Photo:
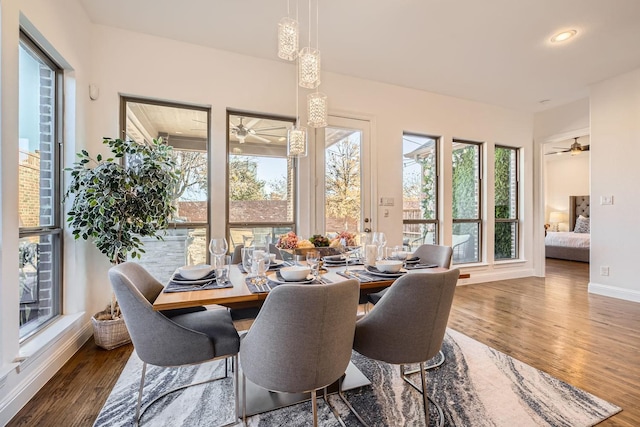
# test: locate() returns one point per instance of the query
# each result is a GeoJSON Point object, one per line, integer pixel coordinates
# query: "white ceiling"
{"type": "Point", "coordinates": [493, 51]}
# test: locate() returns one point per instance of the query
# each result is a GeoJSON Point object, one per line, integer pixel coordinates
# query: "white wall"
{"type": "Point", "coordinates": [62, 29]}
{"type": "Point", "coordinates": [615, 136]}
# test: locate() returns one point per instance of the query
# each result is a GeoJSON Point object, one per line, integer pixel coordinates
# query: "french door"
{"type": "Point", "coordinates": [343, 191]}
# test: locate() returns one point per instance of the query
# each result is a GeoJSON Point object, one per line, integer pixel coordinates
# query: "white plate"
{"type": "Point", "coordinates": [276, 263]}
{"type": "Point", "coordinates": [176, 278]}
{"type": "Point", "coordinates": [275, 278]}
{"type": "Point", "coordinates": [383, 274]}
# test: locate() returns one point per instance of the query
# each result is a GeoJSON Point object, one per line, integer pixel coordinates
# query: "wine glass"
{"type": "Point", "coordinates": [260, 265]}
{"type": "Point", "coordinates": [218, 247]}
{"type": "Point", "coordinates": [313, 258]}
{"type": "Point", "coordinates": [380, 240]}
{"type": "Point", "coordinates": [247, 260]}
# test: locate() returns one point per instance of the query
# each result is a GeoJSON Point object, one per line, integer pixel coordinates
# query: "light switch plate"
{"type": "Point", "coordinates": [606, 200]}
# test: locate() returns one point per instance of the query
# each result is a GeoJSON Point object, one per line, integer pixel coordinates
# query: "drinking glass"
{"type": "Point", "coordinates": [313, 258]}
{"type": "Point", "coordinates": [247, 260]}
{"type": "Point", "coordinates": [218, 247]}
{"type": "Point", "coordinates": [222, 264]}
{"type": "Point", "coordinates": [260, 266]}
{"type": "Point", "coordinates": [380, 240]}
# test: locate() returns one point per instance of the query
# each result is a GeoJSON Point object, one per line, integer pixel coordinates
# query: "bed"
{"type": "Point", "coordinates": [571, 245]}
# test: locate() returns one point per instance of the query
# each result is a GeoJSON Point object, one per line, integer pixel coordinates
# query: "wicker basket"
{"type": "Point", "coordinates": [110, 334]}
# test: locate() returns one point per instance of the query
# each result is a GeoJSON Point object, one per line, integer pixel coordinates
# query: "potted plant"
{"type": "Point", "coordinates": [116, 201]}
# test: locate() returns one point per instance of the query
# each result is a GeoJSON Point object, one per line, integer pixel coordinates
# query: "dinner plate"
{"type": "Point", "coordinates": [278, 279]}
{"type": "Point", "coordinates": [276, 263]}
{"type": "Point", "coordinates": [177, 278]}
{"type": "Point", "coordinates": [376, 272]}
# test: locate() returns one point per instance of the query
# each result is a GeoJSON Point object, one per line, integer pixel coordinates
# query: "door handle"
{"type": "Point", "coordinates": [367, 230]}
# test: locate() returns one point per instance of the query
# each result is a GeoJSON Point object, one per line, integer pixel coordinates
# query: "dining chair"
{"type": "Point", "coordinates": [429, 254]}
{"type": "Point", "coordinates": [187, 337]}
{"type": "Point", "coordinates": [408, 325]}
{"type": "Point", "coordinates": [301, 340]}
{"type": "Point", "coordinates": [236, 258]}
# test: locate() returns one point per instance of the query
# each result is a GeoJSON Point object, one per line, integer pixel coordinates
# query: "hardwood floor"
{"type": "Point", "coordinates": [551, 323]}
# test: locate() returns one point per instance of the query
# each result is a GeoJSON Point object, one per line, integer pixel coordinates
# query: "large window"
{"type": "Point", "coordinates": [39, 252]}
{"type": "Point", "coordinates": [186, 129]}
{"type": "Point", "coordinates": [419, 190]}
{"type": "Point", "coordinates": [261, 179]}
{"type": "Point", "coordinates": [466, 186]}
{"type": "Point", "coordinates": [506, 203]}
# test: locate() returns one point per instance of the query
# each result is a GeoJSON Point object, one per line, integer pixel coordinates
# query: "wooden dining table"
{"type": "Point", "coordinates": [239, 296]}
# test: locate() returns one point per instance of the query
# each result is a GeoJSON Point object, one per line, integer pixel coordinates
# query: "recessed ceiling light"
{"type": "Point", "coordinates": [563, 36]}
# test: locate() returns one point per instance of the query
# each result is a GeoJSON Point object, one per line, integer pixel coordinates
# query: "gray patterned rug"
{"type": "Point", "coordinates": [476, 386]}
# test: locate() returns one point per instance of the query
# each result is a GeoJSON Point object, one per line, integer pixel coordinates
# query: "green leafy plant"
{"type": "Point", "coordinates": [122, 198]}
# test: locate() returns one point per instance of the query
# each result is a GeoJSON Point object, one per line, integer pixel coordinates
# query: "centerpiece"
{"type": "Point", "coordinates": [291, 243]}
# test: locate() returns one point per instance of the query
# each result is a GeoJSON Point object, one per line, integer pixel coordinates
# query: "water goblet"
{"type": "Point", "coordinates": [313, 258]}
{"type": "Point", "coordinates": [221, 266]}
{"type": "Point", "coordinates": [261, 261]}
{"type": "Point", "coordinates": [218, 246]}
{"type": "Point", "coordinates": [247, 260]}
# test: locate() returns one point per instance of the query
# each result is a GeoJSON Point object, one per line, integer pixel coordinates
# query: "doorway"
{"type": "Point", "coordinates": [343, 193]}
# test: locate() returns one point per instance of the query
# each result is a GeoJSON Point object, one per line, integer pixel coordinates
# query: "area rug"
{"type": "Point", "coordinates": [476, 386]}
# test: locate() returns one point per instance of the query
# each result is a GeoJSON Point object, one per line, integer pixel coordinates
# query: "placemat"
{"type": "Point", "coordinates": [419, 266]}
{"type": "Point", "coordinates": [264, 289]}
{"type": "Point", "coordinates": [362, 276]}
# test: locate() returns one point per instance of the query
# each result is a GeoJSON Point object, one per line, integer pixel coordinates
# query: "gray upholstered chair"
{"type": "Point", "coordinates": [301, 340]}
{"type": "Point", "coordinates": [236, 257]}
{"type": "Point", "coordinates": [428, 254]}
{"type": "Point", "coordinates": [187, 337]}
{"type": "Point", "coordinates": [408, 325]}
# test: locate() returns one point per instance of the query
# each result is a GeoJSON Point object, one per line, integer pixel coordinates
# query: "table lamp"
{"type": "Point", "coordinates": [555, 218]}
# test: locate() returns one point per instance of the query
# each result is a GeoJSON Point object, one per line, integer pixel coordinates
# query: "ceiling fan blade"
{"type": "Point", "coordinates": [585, 148]}
{"type": "Point", "coordinates": [252, 122]}
{"type": "Point", "coordinates": [269, 128]}
{"type": "Point", "coordinates": [258, 137]}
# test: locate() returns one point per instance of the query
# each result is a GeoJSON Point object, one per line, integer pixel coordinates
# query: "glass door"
{"type": "Point", "coordinates": [344, 185]}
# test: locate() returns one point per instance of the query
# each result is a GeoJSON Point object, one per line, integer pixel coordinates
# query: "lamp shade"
{"type": "Point", "coordinates": [317, 110]}
{"type": "Point", "coordinates": [556, 217]}
{"type": "Point", "coordinates": [288, 39]}
{"type": "Point", "coordinates": [297, 142]}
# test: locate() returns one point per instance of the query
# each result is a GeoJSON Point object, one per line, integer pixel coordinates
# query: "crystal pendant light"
{"type": "Point", "coordinates": [288, 39]}
{"type": "Point", "coordinates": [297, 141]}
{"type": "Point", "coordinates": [309, 67]}
{"type": "Point", "coordinates": [317, 110]}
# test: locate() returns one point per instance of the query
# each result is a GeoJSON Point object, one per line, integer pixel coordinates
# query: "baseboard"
{"type": "Point", "coordinates": [614, 292]}
{"type": "Point", "coordinates": [38, 372]}
{"type": "Point", "coordinates": [492, 275]}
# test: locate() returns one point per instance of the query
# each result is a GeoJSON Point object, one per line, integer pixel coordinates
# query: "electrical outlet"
{"type": "Point", "coordinates": [606, 200]}
{"type": "Point", "coordinates": [604, 270]}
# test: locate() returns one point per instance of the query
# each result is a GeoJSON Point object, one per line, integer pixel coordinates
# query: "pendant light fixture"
{"type": "Point", "coordinates": [288, 37]}
{"type": "Point", "coordinates": [307, 76]}
{"type": "Point", "coordinates": [309, 60]}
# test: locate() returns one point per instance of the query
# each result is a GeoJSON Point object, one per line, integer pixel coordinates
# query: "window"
{"type": "Point", "coordinates": [466, 185]}
{"type": "Point", "coordinates": [419, 190]}
{"type": "Point", "coordinates": [506, 203]}
{"type": "Point", "coordinates": [261, 179]}
{"type": "Point", "coordinates": [39, 252]}
{"type": "Point", "coordinates": [186, 129]}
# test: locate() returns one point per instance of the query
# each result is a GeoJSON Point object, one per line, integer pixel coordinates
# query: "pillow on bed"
{"type": "Point", "coordinates": [582, 225]}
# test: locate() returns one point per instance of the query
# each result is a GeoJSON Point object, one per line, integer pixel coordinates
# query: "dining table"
{"type": "Point", "coordinates": [239, 295]}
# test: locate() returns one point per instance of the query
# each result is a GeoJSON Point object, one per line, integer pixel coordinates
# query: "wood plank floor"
{"type": "Point", "coordinates": [551, 323]}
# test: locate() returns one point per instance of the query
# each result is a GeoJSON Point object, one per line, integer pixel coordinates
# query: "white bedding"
{"type": "Point", "coordinates": [567, 239]}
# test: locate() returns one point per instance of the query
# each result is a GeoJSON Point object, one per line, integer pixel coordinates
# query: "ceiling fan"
{"type": "Point", "coordinates": [242, 131]}
{"type": "Point", "coordinates": [576, 148]}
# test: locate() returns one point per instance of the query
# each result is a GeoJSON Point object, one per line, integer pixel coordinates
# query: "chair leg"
{"type": "Point", "coordinates": [425, 400]}
{"type": "Point", "coordinates": [424, 393]}
{"type": "Point", "coordinates": [346, 402]}
{"type": "Point", "coordinates": [435, 364]}
{"type": "Point", "coordinates": [144, 371]}
{"type": "Point", "coordinates": [140, 413]}
{"type": "Point", "coordinates": [244, 399]}
{"type": "Point", "coordinates": [314, 408]}
{"type": "Point", "coordinates": [335, 412]}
